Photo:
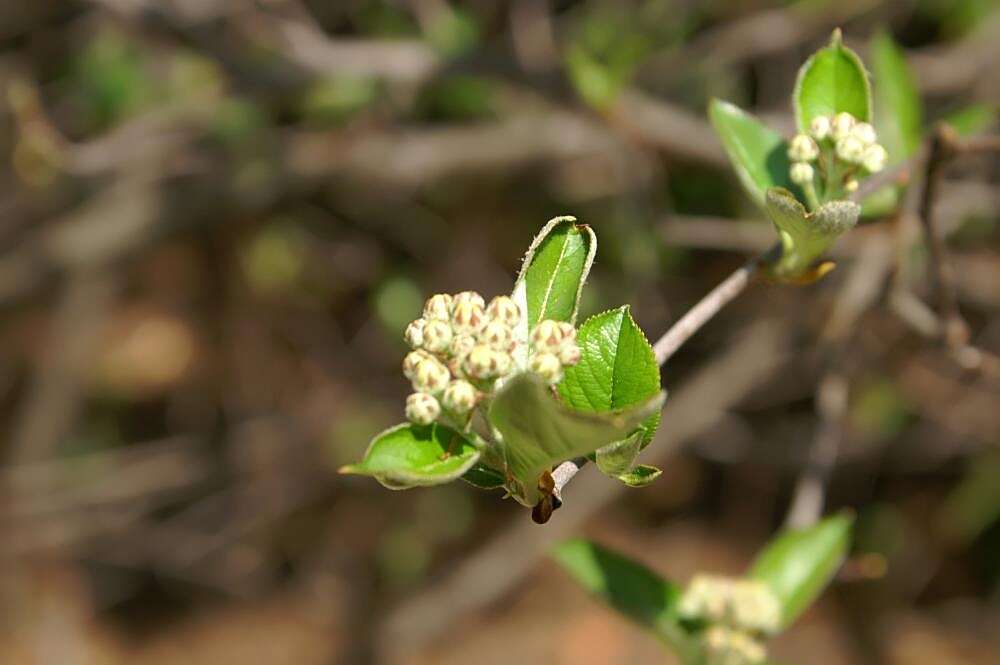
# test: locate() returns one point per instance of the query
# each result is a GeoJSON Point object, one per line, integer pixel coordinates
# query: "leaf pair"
{"type": "Point", "coordinates": [796, 565]}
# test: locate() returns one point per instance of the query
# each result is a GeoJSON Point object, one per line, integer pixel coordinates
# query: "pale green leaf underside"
{"type": "Point", "coordinates": [539, 432]}
{"type": "Point", "coordinates": [798, 564]}
{"type": "Point", "coordinates": [806, 236]}
{"type": "Point", "coordinates": [640, 476]}
{"type": "Point", "coordinates": [555, 269]}
{"type": "Point", "coordinates": [973, 119]}
{"type": "Point", "coordinates": [759, 154]}
{"type": "Point", "coordinates": [627, 587]}
{"type": "Point", "coordinates": [832, 80]}
{"type": "Point", "coordinates": [484, 477]}
{"type": "Point", "coordinates": [410, 455]}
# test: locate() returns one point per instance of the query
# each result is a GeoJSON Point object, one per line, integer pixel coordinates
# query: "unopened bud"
{"type": "Point", "coordinates": [547, 335]}
{"type": "Point", "coordinates": [504, 310]}
{"type": "Point", "coordinates": [422, 409]}
{"type": "Point", "coordinates": [864, 132]}
{"type": "Point", "coordinates": [725, 646]}
{"type": "Point", "coordinates": [460, 396]}
{"type": "Point", "coordinates": [437, 336]}
{"type": "Point", "coordinates": [842, 125]}
{"type": "Point", "coordinates": [851, 186]}
{"type": "Point", "coordinates": [431, 376]}
{"type": "Point", "coordinates": [569, 354]}
{"type": "Point", "coordinates": [461, 345]}
{"type": "Point", "coordinates": [802, 149]}
{"type": "Point", "coordinates": [469, 297]}
{"type": "Point", "coordinates": [482, 362]}
{"type": "Point", "coordinates": [850, 149]}
{"type": "Point", "coordinates": [820, 127]}
{"type": "Point", "coordinates": [874, 158]}
{"type": "Point", "coordinates": [412, 361]}
{"type": "Point", "coordinates": [801, 173]}
{"type": "Point", "coordinates": [547, 366]}
{"type": "Point", "coordinates": [497, 335]}
{"type": "Point", "coordinates": [568, 332]}
{"type": "Point", "coordinates": [468, 317]}
{"type": "Point", "coordinates": [438, 307]}
{"type": "Point", "coordinates": [414, 334]}
{"type": "Point", "coordinates": [754, 607]}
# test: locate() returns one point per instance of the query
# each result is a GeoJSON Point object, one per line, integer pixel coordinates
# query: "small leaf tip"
{"type": "Point", "coordinates": [836, 38]}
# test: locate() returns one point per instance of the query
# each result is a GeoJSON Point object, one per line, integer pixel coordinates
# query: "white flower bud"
{"type": "Point", "coordinates": [850, 149]}
{"type": "Point", "coordinates": [437, 336]}
{"type": "Point", "coordinates": [431, 376]}
{"type": "Point", "coordinates": [874, 158]}
{"type": "Point", "coordinates": [414, 334]}
{"type": "Point", "coordinates": [820, 127]}
{"type": "Point", "coordinates": [483, 362]}
{"type": "Point", "coordinates": [503, 361]}
{"type": "Point", "coordinates": [547, 335]}
{"type": "Point", "coordinates": [412, 361]}
{"type": "Point", "coordinates": [461, 345]}
{"type": "Point", "coordinates": [864, 132]}
{"type": "Point", "coordinates": [725, 646]}
{"type": "Point", "coordinates": [851, 186]}
{"type": "Point", "coordinates": [547, 366]}
{"type": "Point", "coordinates": [469, 297]}
{"type": "Point", "coordinates": [842, 125]}
{"type": "Point", "coordinates": [801, 173]}
{"type": "Point", "coordinates": [422, 409]}
{"type": "Point", "coordinates": [754, 607]}
{"type": "Point", "coordinates": [468, 317]}
{"type": "Point", "coordinates": [438, 307]}
{"type": "Point", "coordinates": [568, 332]}
{"type": "Point", "coordinates": [497, 335]}
{"type": "Point", "coordinates": [802, 149]}
{"type": "Point", "coordinates": [460, 396]}
{"type": "Point", "coordinates": [504, 310]}
{"type": "Point", "coordinates": [706, 597]}
{"type": "Point", "coordinates": [569, 354]}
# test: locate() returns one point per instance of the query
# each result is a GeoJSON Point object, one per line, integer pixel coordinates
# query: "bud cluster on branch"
{"type": "Point", "coordinates": [464, 348]}
{"type": "Point", "coordinates": [828, 161]}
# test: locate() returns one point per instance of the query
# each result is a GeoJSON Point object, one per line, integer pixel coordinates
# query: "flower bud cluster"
{"type": "Point", "coordinates": [831, 139]}
{"type": "Point", "coordinates": [738, 613]}
{"type": "Point", "coordinates": [738, 603]}
{"type": "Point", "coordinates": [462, 346]}
{"type": "Point", "coordinates": [725, 646]}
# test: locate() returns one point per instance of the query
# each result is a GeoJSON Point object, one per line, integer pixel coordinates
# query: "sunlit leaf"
{"type": "Point", "coordinates": [798, 563]}
{"type": "Point", "coordinates": [409, 455]}
{"type": "Point", "coordinates": [832, 80]}
{"type": "Point", "coordinates": [759, 154]}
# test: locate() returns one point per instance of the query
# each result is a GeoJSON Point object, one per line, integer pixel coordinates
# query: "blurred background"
{"type": "Point", "coordinates": [217, 216]}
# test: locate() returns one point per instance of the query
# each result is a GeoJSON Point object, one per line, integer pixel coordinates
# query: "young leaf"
{"type": "Point", "coordinates": [484, 477]}
{"type": "Point", "coordinates": [640, 476]}
{"type": "Point", "coordinates": [554, 271]}
{"type": "Point", "coordinates": [617, 367]}
{"type": "Point", "coordinates": [409, 455]}
{"type": "Point", "coordinates": [806, 236]}
{"type": "Point", "coordinates": [617, 458]}
{"type": "Point", "coordinates": [898, 111]}
{"type": "Point", "coordinates": [628, 587]}
{"type": "Point", "coordinates": [973, 119]}
{"type": "Point", "coordinates": [538, 431]}
{"type": "Point", "coordinates": [799, 563]}
{"type": "Point", "coordinates": [759, 155]}
{"type": "Point", "coordinates": [832, 80]}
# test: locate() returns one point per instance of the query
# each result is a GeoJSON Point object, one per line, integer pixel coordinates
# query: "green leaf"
{"type": "Point", "coordinates": [759, 154]}
{"type": "Point", "coordinates": [617, 458]}
{"type": "Point", "coordinates": [973, 119]}
{"type": "Point", "coordinates": [640, 476]}
{"type": "Point", "coordinates": [555, 270]}
{"type": "Point", "coordinates": [409, 455]}
{"type": "Point", "coordinates": [617, 367]}
{"type": "Point", "coordinates": [627, 587]}
{"type": "Point", "coordinates": [538, 431]}
{"type": "Point", "coordinates": [806, 236]}
{"type": "Point", "coordinates": [898, 110]}
{"type": "Point", "coordinates": [832, 80]}
{"type": "Point", "coordinates": [799, 563]}
{"type": "Point", "coordinates": [484, 477]}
